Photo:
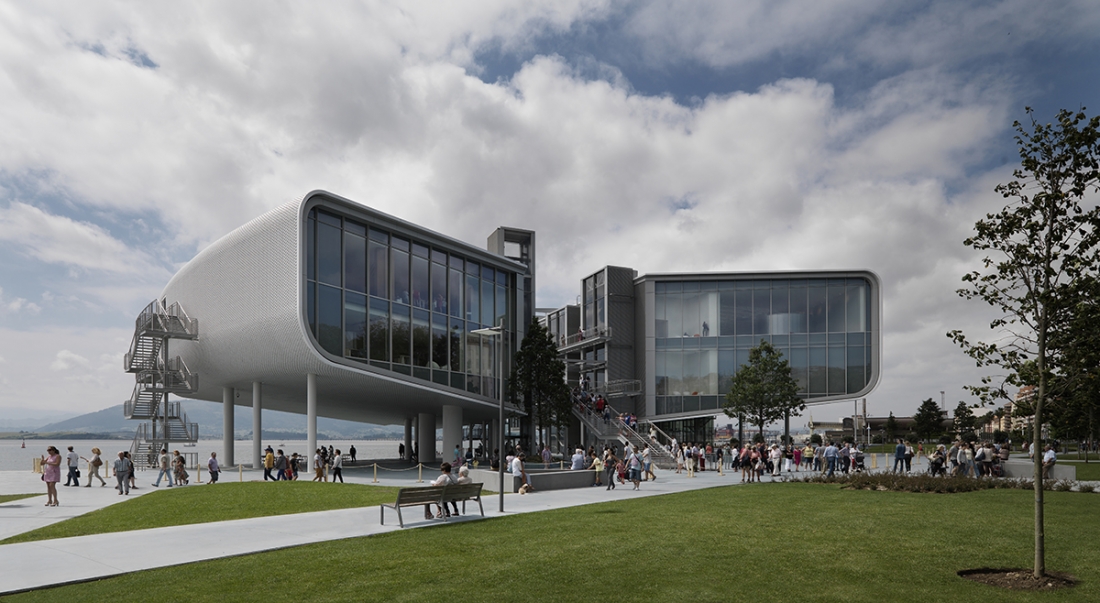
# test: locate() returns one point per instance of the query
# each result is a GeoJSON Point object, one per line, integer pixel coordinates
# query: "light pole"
{"type": "Point", "coordinates": [498, 331]}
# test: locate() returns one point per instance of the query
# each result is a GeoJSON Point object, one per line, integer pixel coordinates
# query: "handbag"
{"type": "Point", "coordinates": [76, 473]}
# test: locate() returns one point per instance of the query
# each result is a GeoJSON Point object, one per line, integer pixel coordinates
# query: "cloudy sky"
{"type": "Point", "coordinates": [664, 136]}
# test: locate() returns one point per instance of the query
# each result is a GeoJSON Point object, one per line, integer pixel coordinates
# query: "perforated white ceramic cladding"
{"type": "Point", "coordinates": [245, 291]}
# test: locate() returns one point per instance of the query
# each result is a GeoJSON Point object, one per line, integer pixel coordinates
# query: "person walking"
{"type": "Point", "coordinates": [269, 464]}
{"type": "Point", "coordinates": [213, 468]}
{"type": "Point", "coordinates": [634, 468]}
{"type": "Point", "coordinates": [51, 474]}
{"type": "Point", "coordinates": [162, 462]}
{"type": "Point", "coordinates": [1049, 459]}
{"type": "Point", "coordinates": [609, 462]}
{"type": "Point", "coordinates": [337, 466]}
{"type": "Point", "coordinates": [94, 464]}
{"type": "Point", "coordinates": [319, 466]}
{"type": "Point", "coordinates": [647, 465]}
{"type": "Point", "coordinates": [72, 460]}
{"type": "Point", "coordinates": [123, 469]}
{"type": "Point", "coordinates": [280, 466]}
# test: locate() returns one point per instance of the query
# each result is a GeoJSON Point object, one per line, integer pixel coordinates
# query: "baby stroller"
{"type": "Point", "coordinates": [936, 466]}
{"type": "Point", "coordinates": [859, 466]}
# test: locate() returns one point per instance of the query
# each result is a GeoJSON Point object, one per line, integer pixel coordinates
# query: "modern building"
{"type": "Point", "coordinates": [326, 307]}
{"type": "Point", "coordinates": [666, 346]}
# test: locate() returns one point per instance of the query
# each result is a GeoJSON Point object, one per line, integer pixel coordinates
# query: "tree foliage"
{"type": "Point", "coordinates": [928, 420]}
{"type": "Point", "coordinates": [538, 378]}
{"type": "Point", "coordinates": [964, 418]}
{"type": "Point", "coordinates": [1042, 254]}
{"type": "Point", "coordinates": [763, 391]}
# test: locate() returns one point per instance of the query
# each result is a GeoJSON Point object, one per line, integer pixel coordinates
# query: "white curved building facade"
{"type": "Point", "coordinates": [326, 307]}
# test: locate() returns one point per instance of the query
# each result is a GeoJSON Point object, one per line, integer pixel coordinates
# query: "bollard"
{"type": "Point", "coordinates": [874, 461]}
{"type": "Point", "coordinates": [198, 474]}
{"type": "Point", "coordinates": [240, 473]}
{"type": "Point", "coordinates": [376, 473]}
{"type": "Point", "coordinates": [561, 465]}
{"type": "Point", "coordinates": [420, 473]}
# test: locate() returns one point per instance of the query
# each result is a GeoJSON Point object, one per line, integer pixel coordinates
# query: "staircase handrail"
{"type": "Point", "coordinates": [593, 333]}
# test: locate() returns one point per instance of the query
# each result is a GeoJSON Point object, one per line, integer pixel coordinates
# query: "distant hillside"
{"type": "Point", "coordinates": [209, 417]}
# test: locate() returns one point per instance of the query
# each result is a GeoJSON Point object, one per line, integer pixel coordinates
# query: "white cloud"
{"type": "Point", "coordinates": [60, 240]}
{"type": "Point", "coordinates": [17, 305]}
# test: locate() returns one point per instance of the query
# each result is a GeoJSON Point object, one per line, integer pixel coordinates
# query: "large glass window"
{"type": "Point", "coordinates": [817, 303]}
{"type": "Point", "coordinates": [744, 312]}
{"type": "Point", "coordinates": [311, 251]}
{"type": "Point", "coordinates": [458, 346]}
{"type": "Point", "coordinates": [501, 305]}
{"type": "Point", "coordinates": [439, 288]}
{"type": "Point", "coordinates": [355, 325]}
{"type": "Point", "coordinates": [422, 338]}
{"type": "Point", "coordinates": [441, 357]}
{"type": "Point", "coordinates": [837, 309]}
{"type": "Point", "coordinates": [400, 276]}
{"type": "Point", "coordinates": [857, 309]}
{"type": "Point", "coordinates": [454, 281]}
{"type": "Point", "coordinates": [487, 296]}
{"type": "Point", "coordinates": [837, 361]}
{"type": "Point", "coordinates": [328, 254]}
{"type": "Point", "coordinates": [819, 371]}
{"type": "Point", "coordinates": [473, 296]}
{"type": "Point", "coordinates": [379, 268]}
{"type": "Point", "coordinates": [355, 263]}
{"type": "Point", "coordinates": [420, 291]}
{"type": "Point", "coordinates": [402, 334]}
{"type": "Point", "coordinates": [761, 308]}
{"type": "Point", "coordinates": [330, 332]}
{"type": "Point", "coordinates": [379, 330]}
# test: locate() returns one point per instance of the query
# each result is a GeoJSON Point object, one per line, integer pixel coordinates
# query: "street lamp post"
{"type": "Point", "coordinates": [498, 331]}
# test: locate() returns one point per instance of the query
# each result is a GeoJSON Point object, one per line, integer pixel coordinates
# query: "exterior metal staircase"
{"type": "Point", "coordinates": [156, 376]}
{"type": "Point", "coordinates": [617, 431]}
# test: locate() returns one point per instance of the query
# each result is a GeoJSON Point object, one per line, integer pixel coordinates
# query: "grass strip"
{"type": "Point", "coordinates": [10, 497]}
{"type": "Point", "coordinates": [772, 542]}
{"type": "Point", "coordinates": [203, 504]}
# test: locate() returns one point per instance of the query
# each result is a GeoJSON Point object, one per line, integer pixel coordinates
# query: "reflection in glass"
{"type": "Point", "coordinates": [355, 263]}
{"type": "Point", "coordinates": [330, 332]}
{"type": "Point", "coordinates": [420, 292]}
{"type": "Point", "coordinates": [402, 340]}
{"type": "Point", "coordinates": [836, 310]}
{"type": "Point", "coordinates": [421, 337]}
{"type": "Point", "coordinates": [400, 276]}
{"type": "Point", "coordinates": [379, 330]}
{"type": "Point", "coordinates": [355, 326]}
{"type": "Point", "coordinates": [379, 269]}
{"type": "Point", "coordinates": [328, 254]}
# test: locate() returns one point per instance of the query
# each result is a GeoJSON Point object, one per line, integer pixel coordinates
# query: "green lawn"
{"type": "Point", "coordinates": [772, 542]}
{"type": "Point", "coordinates": [10, 497]}
{"type": "Point", "coordinates": [201, 504]}
{"type": "Point", "coordinates": [1085, 471]}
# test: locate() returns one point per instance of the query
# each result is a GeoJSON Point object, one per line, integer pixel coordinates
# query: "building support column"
{"type": "Point", "coordinates": [227, 427]}
{"type": "Point", "coordinates": [311, 418]}
{"type": "Point", "coordinates": [452, 431]}
{"type": "Point", "coordinates": [494, 437]}
{"type": "Point", "coordinates": [408, 439]}
{"type": "Point", "coordinates": [257, 425]}
{"type": "Point", "coordinates": [425, 438]}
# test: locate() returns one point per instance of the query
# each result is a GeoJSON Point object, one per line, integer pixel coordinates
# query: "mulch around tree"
{"type": "Point", "coordinates": [1018, 579]}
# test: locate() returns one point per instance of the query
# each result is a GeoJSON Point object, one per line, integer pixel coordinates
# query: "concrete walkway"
{"type": "Point", "coordinates": [32, 565]}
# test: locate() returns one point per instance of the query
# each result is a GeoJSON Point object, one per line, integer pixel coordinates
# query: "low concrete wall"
{"type": "Point", "coordinates": [540, 480]}
{"type": "Point", "coordinates": [1027, 469]}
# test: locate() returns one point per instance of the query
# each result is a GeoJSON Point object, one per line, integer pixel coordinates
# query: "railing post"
{"type": "Point", "coordinates": [376, 473]}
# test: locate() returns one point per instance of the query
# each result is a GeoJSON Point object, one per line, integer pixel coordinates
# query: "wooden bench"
{"type": "Point", "coordinates": [437, 495]}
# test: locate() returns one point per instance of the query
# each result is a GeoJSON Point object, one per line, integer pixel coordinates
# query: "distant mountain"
{"type": "Point", "coordinates": [209, 417]}
{"type": "Point", "coordinates": [29, 419]}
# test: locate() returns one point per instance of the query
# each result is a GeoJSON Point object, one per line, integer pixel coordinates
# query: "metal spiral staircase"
{"type": "Point", "coordinates": [156, 376]}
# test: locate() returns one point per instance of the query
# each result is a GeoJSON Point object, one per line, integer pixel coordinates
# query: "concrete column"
{"type": "Point", "coordinates": [425, 437]}
{"type": "Point", "coordinates": [494, 437]}
{"type": "Point", "coordinates": [311, 418]}
{"type": "Point", "coordinates": [257, 425]}
{"type": "Point", "coordinates": [452, 431]}
{"type": "Point", "coordinates": [227, 427]}
{"type": "Point", "coordinates": [408, 438]}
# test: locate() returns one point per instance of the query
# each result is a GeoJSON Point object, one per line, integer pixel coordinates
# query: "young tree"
{"type": "Point", "coordinates": [538, 378]}
{"type": "Point", "coordinates": [1042, 245]}
{"type": "Point", "coordinates": [763, 390]}
{"type": "Point", "coordinates": [891, 427]}
{"type": "Point", "coordinates": [964, 419]}
{"type": "Point", "coordinates": [928, 420]}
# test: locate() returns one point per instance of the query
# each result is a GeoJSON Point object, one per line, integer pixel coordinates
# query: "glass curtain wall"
{"type": "Point", "coordinates": [398, 304]}
{"type": "Point", "coordinates": [704, 331]}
